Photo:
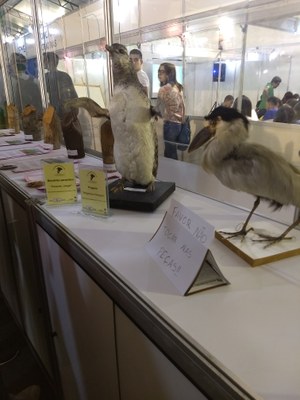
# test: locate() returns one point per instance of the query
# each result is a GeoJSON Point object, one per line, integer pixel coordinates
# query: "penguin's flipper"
{"type": "Point", "coordinates": [88, 104]}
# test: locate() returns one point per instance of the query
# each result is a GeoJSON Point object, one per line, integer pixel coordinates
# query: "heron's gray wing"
{"type": "Point", "coordinates": [257, 170]}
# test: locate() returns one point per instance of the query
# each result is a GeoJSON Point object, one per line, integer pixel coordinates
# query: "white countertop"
{"type": "Point", "coordinates": [250, 326]}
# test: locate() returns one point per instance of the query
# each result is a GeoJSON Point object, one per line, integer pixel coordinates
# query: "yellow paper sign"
{"type": "Point", "coordinates": [93, 190]}
{"type": "Point", "coordinates": [60, 182]}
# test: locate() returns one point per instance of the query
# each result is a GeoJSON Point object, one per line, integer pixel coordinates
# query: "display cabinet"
{"type": "Point", "coordinates": [114, 324]}
{"type": "Point", "coordinates": [251, 40]}
{"type": "Point", "coordinates": [102, 318]}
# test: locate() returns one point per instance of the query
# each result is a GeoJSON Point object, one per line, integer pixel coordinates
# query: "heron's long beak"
{"type": "Point", "coordinates": [200, 138]}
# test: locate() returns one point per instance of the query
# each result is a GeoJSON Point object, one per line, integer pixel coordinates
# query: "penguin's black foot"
{"type": "Point", "coordinates": [119, 187]}
{"type": "Point", "coordinates": [150, 187]}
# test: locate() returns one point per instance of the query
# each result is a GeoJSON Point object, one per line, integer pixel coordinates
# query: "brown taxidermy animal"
{"type": "Point", "coordinates": [106, 134]}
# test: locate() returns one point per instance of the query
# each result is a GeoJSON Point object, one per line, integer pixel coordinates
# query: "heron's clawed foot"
{"type": "Point", "coordinates": [271, 239]}
{"type": "Point", "coordinates": [242, 233]}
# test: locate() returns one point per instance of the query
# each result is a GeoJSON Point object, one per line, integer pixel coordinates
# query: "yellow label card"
{"type": "Point", "coordinates": [93, 190]}
{"type": "Point", "coordinates": [60, 182]}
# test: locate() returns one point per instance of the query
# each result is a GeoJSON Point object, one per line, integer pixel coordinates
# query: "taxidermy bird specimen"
{"type": "Point", "coordinates": [88, 104]}
{"type": "Point", "coordinates": [31, 123]}
{"type": "Point", "coordinates": [106, 135]}
{"type": "Point", "coordinates": [135, 139]}
{"type": "Point", "coordinates": [246, 167]}
{"type": "Point", "coordinates": [52, 128]}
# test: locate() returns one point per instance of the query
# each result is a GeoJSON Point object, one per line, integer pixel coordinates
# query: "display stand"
{"type": "Point", "coordinates": [137, 200]}
{"type": "Point", "coordinates": [256, 252]}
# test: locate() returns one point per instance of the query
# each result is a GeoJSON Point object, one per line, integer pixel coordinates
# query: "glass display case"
{"type": "Point", "coordinates": [227, 47]}
{"type": "Point", "coordinates": [251, 41]}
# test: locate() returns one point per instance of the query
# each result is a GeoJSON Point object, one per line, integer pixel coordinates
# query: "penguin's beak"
{"type": "Point", "coordinates": [200, 138]}
{"type": "Point", "coordinates": [108, 48]}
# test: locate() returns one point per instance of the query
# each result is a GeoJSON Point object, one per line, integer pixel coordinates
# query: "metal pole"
{"type": "Point", "coordinates": [242, 71]}
{"type": "Point", "coordinates": [219, 78]}
{"type": "Point", "coordinates": [4, 69]}
{"type": "Point", "coordinates": [109, 33]}
{"type": "Point", "coordinates": [38, 47]}
{"type": "Point", "coordinates": [289, 75]}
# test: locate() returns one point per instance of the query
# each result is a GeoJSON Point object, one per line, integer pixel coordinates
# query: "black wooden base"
{"type": "Point", "coordinates": [140, 201]}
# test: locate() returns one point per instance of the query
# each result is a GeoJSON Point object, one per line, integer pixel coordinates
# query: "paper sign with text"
{"type": "Point", "coordinates": [200, 229]}
{"type": "Point", "coordinates": [93, 190]}
{"type": "Point", "coordinates": [180, 247]}
{"type": "Point", "coordinates": [60, 181]}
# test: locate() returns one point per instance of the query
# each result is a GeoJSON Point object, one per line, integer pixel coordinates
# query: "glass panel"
{"type": "Point", "coordinates": [77, 38]}
{"type": "Point", "coordinates": [191, 35]}
{"type": "Point", "coordinates": [126, 16]}
{"type": "Point", "coordinates": [2, 101]}
{"type": "Point", "coordinates": [73, 36]}
{"type": "Point", "coordinates": [213, 60]}
{"type": "Point", "coordinates": [277, 54]}
{"type": "Point", "coordinates": [196, 47]}
{"type": "Point", "coordinates": [20, 55]}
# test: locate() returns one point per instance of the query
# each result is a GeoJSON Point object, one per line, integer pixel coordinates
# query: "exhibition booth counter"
{"type": "Point", "coordinates": [119, 325]}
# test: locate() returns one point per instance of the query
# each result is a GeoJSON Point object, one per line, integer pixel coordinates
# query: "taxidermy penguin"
{"type": "Point", "coordinates": [135, 139]}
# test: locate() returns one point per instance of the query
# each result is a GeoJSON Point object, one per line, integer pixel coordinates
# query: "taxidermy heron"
{"type": "Point", "coordinates": [135, 139]}
{"type": "Point", "coordinates": [246, 167]}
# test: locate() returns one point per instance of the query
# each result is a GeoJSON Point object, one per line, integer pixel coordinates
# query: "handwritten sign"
{"type": "Point", "coordinates": [198, 227]}
{"type": "Point", "coordinates": [93, 189]}
{"type": "Point", "coordinates": [180, 247]}
{"type": "Point", "coordinates": [60, 181]}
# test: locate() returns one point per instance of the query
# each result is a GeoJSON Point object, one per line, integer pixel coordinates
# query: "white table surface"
{"type": "Point", "coordinates": [251, 326]}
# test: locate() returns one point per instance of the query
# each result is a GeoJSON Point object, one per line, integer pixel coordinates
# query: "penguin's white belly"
{"type": "Point", "coordinates": [133, 130]}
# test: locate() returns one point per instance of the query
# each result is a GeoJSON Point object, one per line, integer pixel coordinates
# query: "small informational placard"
{"type": "Point", "coordinates": [60, 181]}
{"type": "Point", "coordinates": [180, 247]}
{"type": "Point", "coordinates": [93, 190]}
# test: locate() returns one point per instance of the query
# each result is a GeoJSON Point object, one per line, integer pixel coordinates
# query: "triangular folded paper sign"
{"type": "Point", "coordinates": [209, 276]}
{"type": "Point", "coordinates": [180, 246]}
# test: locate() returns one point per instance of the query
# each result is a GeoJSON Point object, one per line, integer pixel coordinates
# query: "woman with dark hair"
{"type": "Point", "coordinates": [287, 95]}
{"type": "Point", "coordinates": [297, 113]}
{"type": "Point", "coordinates": [246, 106]}
{"type": "Point", "coordinates": [170, 105]}
{"type": "Point", "coordinates": [285, 114]}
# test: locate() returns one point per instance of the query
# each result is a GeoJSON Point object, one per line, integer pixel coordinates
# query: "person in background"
{"type": "Point", "coordinates": [170, 105]}
{"type": "Point", "coordinates": [59, 84]}
{"type": "Point", "coordinates": [246, 107]}
{"type": "Point", "coordinates": [285, 114]}
{"type": "Point", "coordinates": [228, 101]}
{"type": "Point", "coordinates": [292, 102]}
{"type": "Point", "coordinates": [267, 92]}
{"type": "Point", "coordinates": [297, 113]}
{"type": "Point", "coordinates": [273, 103]}
{"type": "Point", "coordinates": [287, 95]}
{"type": "Point", "coordinates": [136, 58]}
{"type": "Point", "coordinates": [25, 88]}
